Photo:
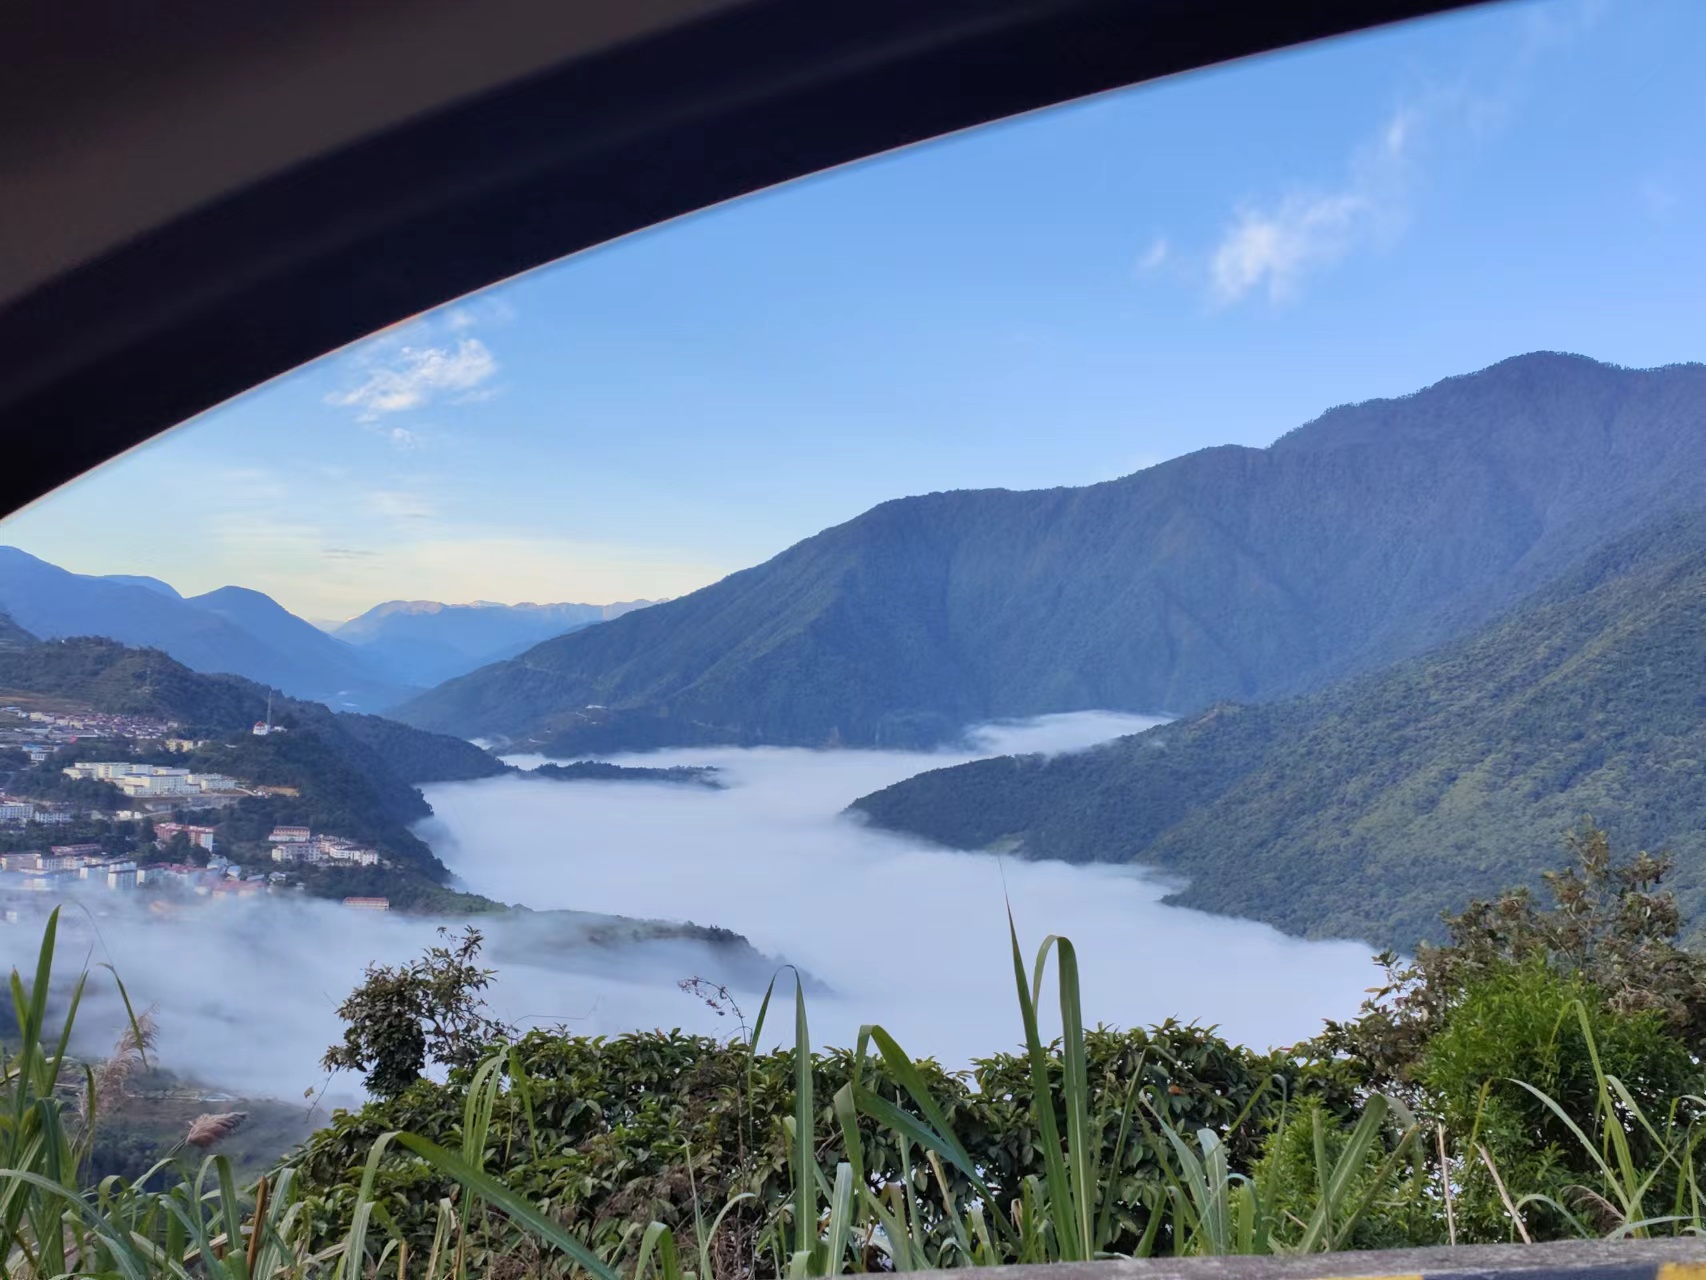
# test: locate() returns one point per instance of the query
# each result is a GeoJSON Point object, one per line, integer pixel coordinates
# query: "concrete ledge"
{"type": "Point", "coordinates": [1570, 1259]}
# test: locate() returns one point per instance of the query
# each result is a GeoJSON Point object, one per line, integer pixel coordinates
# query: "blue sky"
{"type": "Point", "coordinates": [1055, 300]}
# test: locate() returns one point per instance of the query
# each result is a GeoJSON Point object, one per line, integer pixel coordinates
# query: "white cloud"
{"type": "Point", "coordinates": [1153, 256]}
{"type": "Point", "coordinates": [1274, 247]}
{"type": "Point", "coordinates": [1271, 246]}
{"type": "Point", "coordinates": [779, 825]}
{"type": "Point", "coordinates": [409, 376]}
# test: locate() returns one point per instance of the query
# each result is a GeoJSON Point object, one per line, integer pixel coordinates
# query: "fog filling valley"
{"type": "Point", "coordinates": [896, 932]}
{"type": "Point", "coordinates": [905, 934]}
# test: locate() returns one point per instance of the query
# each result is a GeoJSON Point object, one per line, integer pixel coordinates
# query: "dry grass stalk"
{"type": "Point", "coordinates": [129, 1056]}
{"type": "Point", "coordinates": [209, 1129]}
{"type": "Point", "coordinates": [257, 1228]}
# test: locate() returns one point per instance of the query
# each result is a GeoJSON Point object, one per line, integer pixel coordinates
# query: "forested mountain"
{"type": "Point", "coordinates": [1368, 535]}
{"type": "Point", "coordinates": [231, 630]}
{"type": "Point", "coordinates": [107, 676]}
{"type": "Point", "coordinates": [423, 642]}
{"type": "Point", "coordinates": [1368, 808]}
{"type": "Point", "coordinates": [357, 775]}
{"type": "Point", "coordinates": [12, 636]}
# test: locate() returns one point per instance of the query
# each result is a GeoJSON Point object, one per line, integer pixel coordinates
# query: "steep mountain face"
{"type": "Point", "coordinates": [230, 630]}
{"type": "Point", "coordinates": [1233, 573]}
{"type": "Point", "coordinates": [13, 637]}
{"type": "Point", "coordinates": [1368, 808]}
{"type": "Point", "coordinates": [423, 642]}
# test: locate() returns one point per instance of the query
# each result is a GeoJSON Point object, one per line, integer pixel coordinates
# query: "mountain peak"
{"type": "Point", "coordinates": [143, 580]}
{"type": "Point", "coordinates": [1369, 534]}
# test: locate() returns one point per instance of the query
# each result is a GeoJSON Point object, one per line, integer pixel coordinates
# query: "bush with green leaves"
{"type": "Point", "coordinates": [1520, 1058]}
{"type": "Point", "coordinates": [656, 1126]}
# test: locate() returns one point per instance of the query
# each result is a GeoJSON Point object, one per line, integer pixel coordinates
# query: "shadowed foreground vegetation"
{"type": "Point", "coordinates": [1536, 1077]}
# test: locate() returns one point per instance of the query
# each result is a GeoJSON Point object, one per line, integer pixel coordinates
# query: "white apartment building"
{"type": "Point", "coordinates": [101, 770]}
{"type": "Point", "coordinates": [146, 780]}
{"type": "Point", "coordinates": [352, 854]}
{"type": "Point", "coordinates": [12, 811]}
{"type": "Point", "coordinates": [160, 782]}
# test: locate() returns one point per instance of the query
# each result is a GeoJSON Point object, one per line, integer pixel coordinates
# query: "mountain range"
{"type": "Point", "coordinates": [373, 662]}
{"type": "Point", "coordinates": [1367, 809]}
{"type": "Point", "coordinates": [1367, 536]}
{"type": "Point", "coordinates": [422, 642]}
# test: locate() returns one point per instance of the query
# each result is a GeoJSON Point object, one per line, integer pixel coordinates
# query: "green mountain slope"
{"type": "Point", "coordinates": [1367, 809]}
{"type": "Point", "coordinates": [12, 636]}
{"type": "Point", "coordinates": [119, 680]}
{"type": "Point", "coordinates": [357, 774]}
{"type": "Point", "coordinates": [1368, 535]}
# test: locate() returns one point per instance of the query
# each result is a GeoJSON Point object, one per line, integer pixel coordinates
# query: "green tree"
{"type": "Point", "coordinates": [180, 849]}
{"type": "Point", "coordinates": [1611, 923]}
{"type": "Point", "coordinates": [429, 1009]}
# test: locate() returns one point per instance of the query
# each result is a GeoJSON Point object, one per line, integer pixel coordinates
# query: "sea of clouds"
{"type": "Point", "coordinates": [893, 931]}
{"type": "Point", "coordinates": [904, 934]}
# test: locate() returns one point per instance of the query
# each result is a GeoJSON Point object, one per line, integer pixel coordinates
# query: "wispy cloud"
{"type": "Point", "coordinates": [411, 376]}
{"type": "Point", "coordinates": [1152, 257]}
{"type": "Point", "coordinates": [433, 357]}
{"type": "Point", "coordinates": [1271, 247]}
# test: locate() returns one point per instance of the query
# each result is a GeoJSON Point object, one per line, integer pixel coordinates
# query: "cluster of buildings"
{"type": "Point", "coordinates": [40, 733]}
{"type": "Point", "coordinates": [154, 781]}
{"type": "Point", "coordinates": [15, 811]}
{"type": "Point", "coordinates": [68, 867]}
{"type": "Point", "coordinates": [65, 864]}
{"type": "Point", "coordinates": [155, 788]}
{"type": "Point", "coordinates": [301, 845]}
{"type": "Point", "coordinates": [98, 724]}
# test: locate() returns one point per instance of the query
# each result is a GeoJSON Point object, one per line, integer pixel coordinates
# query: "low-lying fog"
{"type": "Point", "coordinates": [911, 936]}
{"type": "Point", "coordinates": [898, 933]}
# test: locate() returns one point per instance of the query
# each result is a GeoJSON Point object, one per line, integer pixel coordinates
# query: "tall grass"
{"type": "Point", "coordinates": [181, 1220]}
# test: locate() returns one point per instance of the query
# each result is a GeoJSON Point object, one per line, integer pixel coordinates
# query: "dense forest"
{"type": "Point", "coordinates": [1369, 808]}
{"type": "Point", "coordinates": [12, 636]}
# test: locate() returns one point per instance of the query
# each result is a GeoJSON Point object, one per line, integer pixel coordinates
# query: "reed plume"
{"type": "Point", "coordinates": [129, 1056]}
{"type": "Point", "coordinates": [209, 1129]}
